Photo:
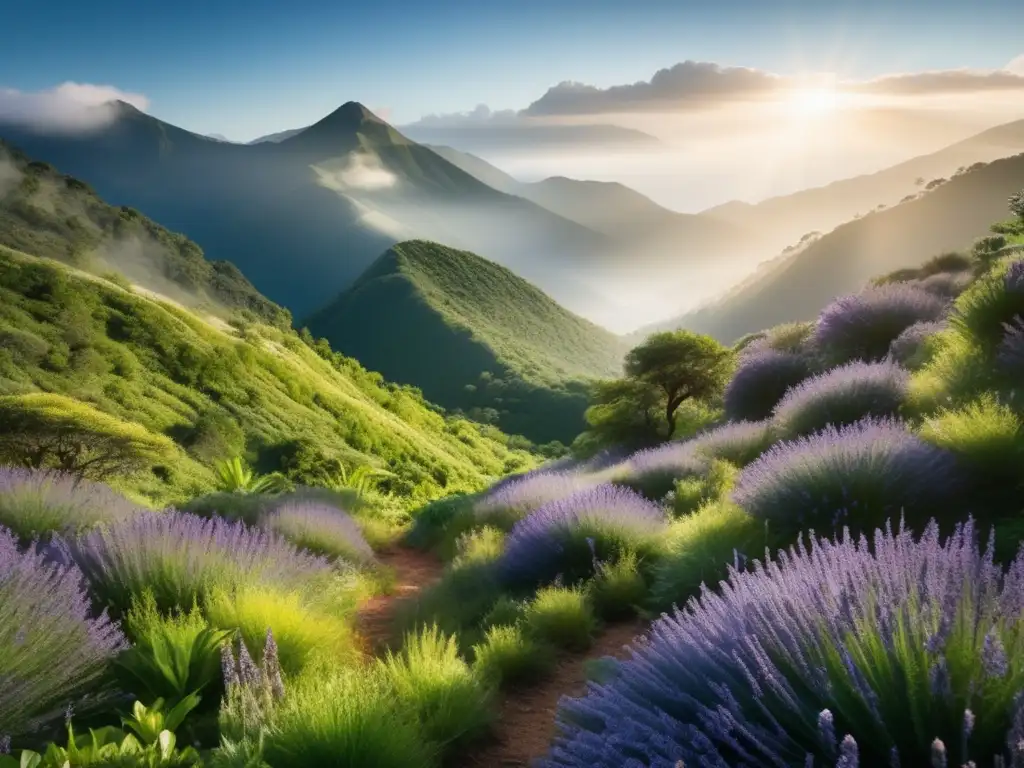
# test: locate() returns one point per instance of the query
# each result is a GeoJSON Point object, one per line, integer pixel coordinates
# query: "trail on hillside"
{"type": "Point", "coordinates": [526, 723]}
{"type": "Point", "coordinates": [414, 570]}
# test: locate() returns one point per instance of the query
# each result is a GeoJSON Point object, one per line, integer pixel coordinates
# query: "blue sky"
{"type": "Point", "coordinates": [249, 68]}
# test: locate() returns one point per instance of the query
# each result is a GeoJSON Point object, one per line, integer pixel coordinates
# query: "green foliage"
{"type": "Point", "coordinates": [429, 680]}
{"type": "Point", "coordinates": [172, 657]}
{"type": "Point", "coordinates": [618, 588]}
{"type": "Point", "coordinates": [52, 431]}
{"type": "Point", "coordinates": [700, 547]}
{"type": "Point", "coordinates": [982, 310]}
{"type": "Point", "coordinates": [473, 336]}
{"type": "Point", "coordinates": [509, 657]}
{"type": "Point", "coordinates": [561, 617]}
{"type": "Point", "coordinates": [680, 365]}
{"type": "Point", "coordinates": [691, 493]}
{"type": "Point", "coordinates": [236, 476]}
{"type": "Point", "coordinates": [1016, 204]}
{"type": "Point", "coordinates": [345, 717]}
{"type": "Point", "coordinates": [479, 547]}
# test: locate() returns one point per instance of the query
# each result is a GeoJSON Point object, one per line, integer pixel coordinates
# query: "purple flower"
{"type": "Point", "coordinates": [842, 396]}
{"type": "Point", "coordinates": [513, 501]}
{"type": "Point", "coordinates": [753, 673]}
{"type": "Point", "coordinates": [738, 442]}
{"type": "Point", "coordinates": [53, 647]}
{"type": "Point", "coordinates": [859, 475]}
{"type": "Point", "coordinates": [946, 285]}
{"type": "Point", "coordinates": [654, 471]}
{"type": "Point", "coordinates": [905, 346]}
{"type": "Point", "coordinates": [553, 539]}
{"type": "Point", "coordinates": [862, 326]}
{"type": "Point", "coordinates": [181, 557]}
{"type": "Point", "coordinates": [760, 381]}
{"type": "Point", "coordinates": [38, 503]}
{"type": "Point", "coordinates": [319, 528]}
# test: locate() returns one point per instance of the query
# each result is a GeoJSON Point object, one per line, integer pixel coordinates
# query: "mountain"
{"type": "Point", "coordinates": [798, 285]}
{"type": "Point", "coordinates": [783, 220]}
{"type": "Point", "coordinates": [524, 136]}
{"type": "Point", "coordinates": [217, 385]}
{"type": "Point", "coordinates": [304, 216]}
{"type": "Point", "coordinates": [472, 335]}
{"type": "Point", "coordinates": [275, 138]}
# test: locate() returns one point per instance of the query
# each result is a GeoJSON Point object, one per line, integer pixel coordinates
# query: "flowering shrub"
{"type": "Point", "coordinates": [513, 501]}
{"type": "Point", "coordinates": [909, 653]}
{"type": "Point", "coordinates": [182, 558]}
{"type": "Point", "coordinates": [983, 310]}
{"type": "Point", "coordinates": [907, 347]}
{"type": "Point", "coordinates": [35, 503]}
{"type": "Point", "coordinates": [321, 529]}
{"type": "Point", "coordinates": [947, 285]}
{"type": "Point", "coordinates": [654, 471]}
{"type": "Point", "coordinates": [842, 396]}
{"type": "Point", "coordinates": [567, 537]}
{"type": "Point", "coordinates": [51, 649]}
{"type": "Point", "coordinates": [760, 381]}
{"type": "Point", "coordinates": [862, 326]}
{"type": "Point", "coordinates": [860, 475]}
{"type": "Point", "coordinates": [738, 442]}
{"type": "Point", "coordinates": [1011, 349]}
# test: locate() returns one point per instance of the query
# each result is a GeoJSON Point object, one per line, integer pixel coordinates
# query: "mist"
{"type": "Point", "coordinates": [67, 108]}
{"type": "Point", "coordinates": [360, 171]}
{"type": "Point", "coordinates": [10, 176]}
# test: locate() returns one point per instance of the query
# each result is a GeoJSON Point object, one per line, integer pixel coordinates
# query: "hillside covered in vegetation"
{"type": "Point", "coordinates": [473, 336]}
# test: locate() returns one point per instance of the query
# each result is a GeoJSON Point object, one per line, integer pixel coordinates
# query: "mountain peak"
{"type": "Point", "coordinates": [349, 126]}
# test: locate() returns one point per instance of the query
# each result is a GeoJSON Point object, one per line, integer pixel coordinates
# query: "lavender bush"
{"type": "Point", "coordinates": [860, 475]}
{"type": "Point", "coordinates": [182, 557]}
{"type": "Point", "coordinates": [947, 285]}
{"type": "Point", "coordinates": [842, 396]}
{"type": "Point", "coordinates": [738, 442]}
{"type": "Point", "coordinates": [862, 326]}
{"type": "Point", "coordinates": [1011, 349]}
{"type": "Point", "coordinates": [761, 379]}
{"type": "Point", "coordinates": [36, 503]}
{"type": "Point", "coordinates": [983, 310]}
{"type": "Point", "coordinates": [510, 502]}
{"type": "Point", "coordinates": [910, 653]}
{"type": "Point", "coordinates": [52, 649]}
{"type": "Point", "coordinates": [654, 471]}
{"type": "Point", "coordinates": [907, 347]}
{"type": "Point", "coordinates": [569, 536]}
{"type": "Point", "coordinates": [321, 529]}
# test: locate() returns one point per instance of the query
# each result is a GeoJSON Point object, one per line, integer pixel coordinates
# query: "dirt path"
{"type": "Point", "coordinates": [526, 725]}
{"type": "Point", "coordinates": [414, 570]}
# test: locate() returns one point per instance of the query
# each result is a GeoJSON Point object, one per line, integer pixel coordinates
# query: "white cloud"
{"type": "Point", "coordinates": [361, 171]}
{"type": "Point", "coordinates": [67, 107]}
{"type": "Point", "coordinates": [481, 116]}
{"type": "Point", "coordinates": [1016, 66]}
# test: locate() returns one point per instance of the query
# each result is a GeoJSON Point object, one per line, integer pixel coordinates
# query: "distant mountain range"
{"type": "Point", "coordinates": [524, 137]}
{"type": "Point", "coordinates": [473, 336]}
{"type": "Point", "coordinates": [796, 286]}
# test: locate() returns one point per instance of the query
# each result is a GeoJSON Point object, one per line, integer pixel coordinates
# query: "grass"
{"type": "Point", "coordinates": [561, 617]}
{"type": "Point", "coordinates": [509, 657]}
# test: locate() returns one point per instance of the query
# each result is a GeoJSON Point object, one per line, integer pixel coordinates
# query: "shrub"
{"type": "Point", "coordinates": [513, 501]}
{"type": "Point", "coordinates": [321, 529]}
{"type": "Point", "coordinates": [947, 285]}
{"type": "Point", "coordinates": [344, 718]}
{"type": "Point", "coordinates": [860, 475]}
{"type": "Point", "coordinates": [738, 442]}
{"type": "Point", "coordinates": [618, 588]}
{"type": "Point", "coordinates": [42, 430]}
{"type": "Point", "coordinates": [303, 633]}
{"type": "Point", "coordinates": [842, 396]}
{"type": "Point", "coordinates": [566, 537]}
{"type": "Point", "coordinates": [508, 657]}
{"type": "Point", "coordinates": [693, 492]}
{"type": "Point", "coordinates": [182, 558]}
{"type": "Point", "coordinates": [561, 617]}
{"type": "Point", "coordinates": [789, 337]}
{"type": "Point", "coordinates": [760, 381]}
{"type": "Point", "coordinates": [51, 649]}
{"type": "Point", "coordinates": [247, 507]}
{"type": "Point", "coordinates": [909, 348]}
{"type": "Point", "coordinates": [699, 550]}
{"type": "Point", "coordinates": [429, 680]}
{"type": "Point", "coordinates": [1011, 349]}
{"type": "Point", "coordinates": [889, 648]}
{"type": "Point", "coordinates": [479, 547]}
{"type": "Point", "coordinates": [35, 504]}
{"type": "Point", "coordinates": [996, 299]}
{"type": "Point", "coordinates": [654, 471]}
{"type": "Point", "coordinates": [864, 325]}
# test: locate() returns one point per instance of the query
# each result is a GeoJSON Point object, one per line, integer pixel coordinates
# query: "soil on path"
{"type": "Point", "coordinates": [526, 723]}
{"type": "Point", "coordinates": [414, 570]}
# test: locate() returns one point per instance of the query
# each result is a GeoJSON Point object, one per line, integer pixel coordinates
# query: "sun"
{"type": "Point", "coordinates": [810, 102]}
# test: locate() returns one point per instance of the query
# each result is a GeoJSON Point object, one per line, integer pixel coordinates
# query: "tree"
{"type": "Point", "coordinates": [1017, 204]}
{"type": "Point", "coordinates": [681, 365]}
{"type": "Point", "coordinates": [43, 430]}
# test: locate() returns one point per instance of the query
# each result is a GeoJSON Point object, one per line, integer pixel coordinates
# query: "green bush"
{"type": "Point", "coordinates": [618, 589]}
{"type": "Point", "coordinates": [994, 300]}
{"type": "Point", "coordinates": [561, 617]}
{"type": "Point", "coordinates": [509, 657]}
{"type": "Point", "coordinates": [691, 493]}
{"type": "Point", "coordinates": [479, 547]}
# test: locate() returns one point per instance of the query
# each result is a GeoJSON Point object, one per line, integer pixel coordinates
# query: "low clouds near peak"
{"type": "Point", "coordinates": [481, 115]}
{"type": "Point", "coordinates": [1016, 66]}
{"type": "Point", "coordinates": [940, 82]}
{"type": "Point", "coordinates": [68, 107]}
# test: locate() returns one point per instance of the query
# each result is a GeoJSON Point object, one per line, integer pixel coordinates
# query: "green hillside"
{"type": "Point", "coordinates": [472, 335]}
{"type": "Point", "coordinates": [224, 377]}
